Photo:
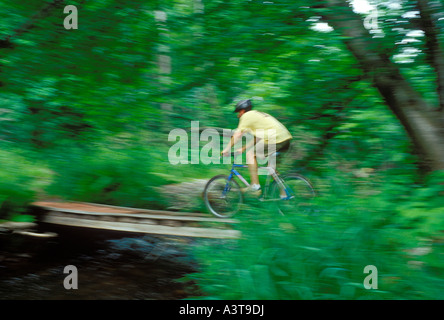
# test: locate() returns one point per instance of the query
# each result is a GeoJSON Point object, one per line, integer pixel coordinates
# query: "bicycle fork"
{"type": "Point", "coordinates": [227, 187]}
{"type": "Point", "coordinates": [230, 177]}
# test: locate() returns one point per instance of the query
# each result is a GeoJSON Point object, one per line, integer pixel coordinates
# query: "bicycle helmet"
{"type": "Point", "coordinates": [243, 105]}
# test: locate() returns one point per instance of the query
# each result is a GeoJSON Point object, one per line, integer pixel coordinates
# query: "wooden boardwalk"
{"type": "Point", "coordinates": [133, 220]}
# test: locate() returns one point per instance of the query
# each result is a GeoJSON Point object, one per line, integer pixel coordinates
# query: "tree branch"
{"type": "Point", "coordinates": [7, 43]}
{"type": "Point", "coordinates": [335, 119]}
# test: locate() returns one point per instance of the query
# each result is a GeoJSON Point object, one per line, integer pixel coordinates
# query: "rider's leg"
{"type": "Point", "coordinates": [272, 162]}
{"type": "Point", "coordinates": [282, 148]}
{"type": "Point", "coordinates": [252, 167]}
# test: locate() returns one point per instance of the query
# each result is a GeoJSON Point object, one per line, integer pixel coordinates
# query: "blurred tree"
{"type": "Point", "coordinates": [423, 122]}
{"type": "Point", "coordinates": [103, 79]}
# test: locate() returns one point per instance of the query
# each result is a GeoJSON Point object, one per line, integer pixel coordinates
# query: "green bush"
{"type": "Point", "coordinates": [111, 176]}
{"type": "Point", "coordinates": [323, 256]}
{"type": "Point", "coordinates": [20, 183]}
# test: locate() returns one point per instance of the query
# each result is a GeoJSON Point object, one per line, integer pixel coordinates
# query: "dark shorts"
{"type": "Point", "coordinates": [281, 147]}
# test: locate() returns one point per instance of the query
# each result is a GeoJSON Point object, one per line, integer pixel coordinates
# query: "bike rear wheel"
{"type": "Point", "coordinates": [301, 196]}
{"type": "Point", "coordinates": [222, 197]}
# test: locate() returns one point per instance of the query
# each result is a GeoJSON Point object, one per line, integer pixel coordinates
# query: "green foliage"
{"type": "Point", "coordinates": [20, 182]}
{"type": "Point", "coordinates": [85, 115]}
{"type": "Point", "coordinates": [323, 256]}
{"type": "Point", "coordinates": [424, 207]}
{"type": "Point", "coordinates": [121, 176]}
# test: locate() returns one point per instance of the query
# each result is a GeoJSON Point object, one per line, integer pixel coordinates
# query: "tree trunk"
{"type": "Point", "coordinates": [424, 124]}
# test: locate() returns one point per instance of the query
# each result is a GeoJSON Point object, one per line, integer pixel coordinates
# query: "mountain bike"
{"type": "Point", "coordinates": [292, 193]}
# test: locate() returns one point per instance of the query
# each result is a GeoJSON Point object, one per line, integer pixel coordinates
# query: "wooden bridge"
{"type": "Point", "coordinates": [133, 220]}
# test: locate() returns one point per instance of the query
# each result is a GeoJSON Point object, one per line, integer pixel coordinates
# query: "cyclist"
{"type": "Point", "coordinates": [269, 135]}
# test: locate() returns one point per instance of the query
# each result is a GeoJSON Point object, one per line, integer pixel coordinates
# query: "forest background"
{"type": "Point", "coordinates": [85, 115]}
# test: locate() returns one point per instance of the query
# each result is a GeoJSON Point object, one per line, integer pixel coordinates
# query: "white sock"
{"type": "Point", "coordinates": [255, 187]}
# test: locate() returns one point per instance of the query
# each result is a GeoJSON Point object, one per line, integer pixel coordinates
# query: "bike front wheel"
{"type": "Point", "coordinates": [222, 196]}
{"type": "Point", "coordinates": [298, 197]}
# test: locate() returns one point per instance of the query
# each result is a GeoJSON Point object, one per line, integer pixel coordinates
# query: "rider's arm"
{"type": "Point", "coordinates": [234, 138]}
{"type": "Point", "coordinates": [249, 145]}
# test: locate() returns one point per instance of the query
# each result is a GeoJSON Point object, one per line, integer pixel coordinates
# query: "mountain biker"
{"type": "Point", "coordinates": [269, 135]}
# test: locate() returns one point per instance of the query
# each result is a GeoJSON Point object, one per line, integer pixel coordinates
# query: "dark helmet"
{"type": "Point", "coordinates": [244, 104]}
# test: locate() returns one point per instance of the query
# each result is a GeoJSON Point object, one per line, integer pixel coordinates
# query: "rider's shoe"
{"type": "Point", "coordinates": [252, 191]}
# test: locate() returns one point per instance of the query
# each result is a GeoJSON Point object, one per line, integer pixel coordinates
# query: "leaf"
{"type": "Point", "coordinates": [335, 273]}
{"type": "Point", "coordinates": [246, 283]}
{"type": "Point", "coordinates": [263, 282]}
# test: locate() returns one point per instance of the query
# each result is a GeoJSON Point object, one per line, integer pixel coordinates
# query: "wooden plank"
{"type": "Point", "coordinates": [143, 228]}
{"type": "Point", "coordinates": [146, 216]}
{"type": "Point", "coordinates": [54, 207]}
{"type": "Point", "coordinates": [13, 225]}
{"type": "Point", "coordinates": [149, 211]}
{"type": "Point", "coordinates": [88, 207]}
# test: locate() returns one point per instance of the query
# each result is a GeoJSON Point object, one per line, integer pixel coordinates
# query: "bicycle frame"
{"type": "Point", "coordinates": [271, 173]}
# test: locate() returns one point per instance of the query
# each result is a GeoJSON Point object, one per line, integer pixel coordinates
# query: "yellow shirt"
{"type": "Point", "coordinates": [263, 126]}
